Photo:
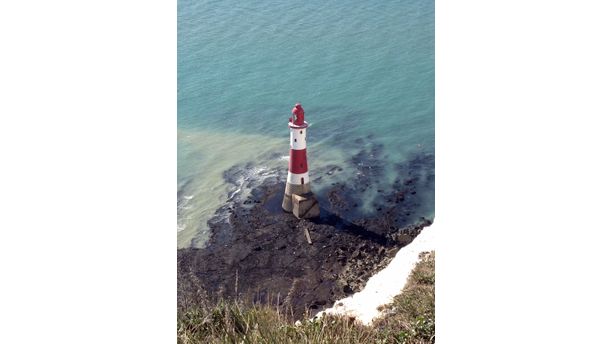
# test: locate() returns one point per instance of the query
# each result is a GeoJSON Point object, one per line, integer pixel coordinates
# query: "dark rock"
{"type": "Point", "coordinates": [251, 241]}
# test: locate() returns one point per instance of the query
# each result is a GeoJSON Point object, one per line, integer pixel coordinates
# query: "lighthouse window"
{"type": "Point", "coordinates": [302, 180]}
{"type": "Point", "coordinates": [300, 131]}
{"type": "Point", "coordinates": [294, 140]}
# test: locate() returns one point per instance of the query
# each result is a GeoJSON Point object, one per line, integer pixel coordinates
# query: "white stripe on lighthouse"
{"type": "Point", "coordinates": [296, 178]}
{"type": "Point", "coordinates": [297, 138]}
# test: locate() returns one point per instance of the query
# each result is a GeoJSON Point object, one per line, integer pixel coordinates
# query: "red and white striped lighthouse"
{"type": "Point", "coordinates": [298, 182]}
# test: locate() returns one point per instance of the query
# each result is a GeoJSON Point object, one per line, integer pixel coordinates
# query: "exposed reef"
{"type": "Point", "coordinates": [258, 252]}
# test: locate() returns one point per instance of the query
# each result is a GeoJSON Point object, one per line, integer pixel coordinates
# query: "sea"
{"type": "Point", "coordinates": [363, 71]}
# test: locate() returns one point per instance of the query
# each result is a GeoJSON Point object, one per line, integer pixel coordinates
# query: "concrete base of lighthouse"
{"type": "Point", "coordinates": [293, 189]}
{"type": "Point", "coordinates": [305, 205]}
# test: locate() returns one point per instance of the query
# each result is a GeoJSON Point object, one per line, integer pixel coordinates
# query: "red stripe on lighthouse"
{"type": "Point", "coordinates": [297, 161]}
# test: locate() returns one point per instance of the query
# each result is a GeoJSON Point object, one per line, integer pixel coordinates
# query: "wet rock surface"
{"type": "Point", "coordinates": [260, 253]}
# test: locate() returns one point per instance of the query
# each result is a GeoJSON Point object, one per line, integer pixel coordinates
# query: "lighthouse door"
{"type": "Point", "coordinates": [302, 180]}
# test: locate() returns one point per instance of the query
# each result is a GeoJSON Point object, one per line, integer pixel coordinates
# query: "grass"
{"type": "Point", "coordinates": [409, 319]}
{"type": "Point", "coordinates": [411, 316]}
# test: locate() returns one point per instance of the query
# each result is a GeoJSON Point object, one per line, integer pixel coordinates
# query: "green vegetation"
{"type": "Point", "coordinates": [410, 319]}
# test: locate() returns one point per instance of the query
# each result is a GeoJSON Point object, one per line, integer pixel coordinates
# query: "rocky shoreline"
{"type": "Point", "coordinates": [261, 254]}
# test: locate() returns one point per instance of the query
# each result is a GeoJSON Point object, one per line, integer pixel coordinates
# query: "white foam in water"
{"type": "Point", "coordinates": [235, 192]}
{"type": "Point", "coordinates": [386, 284]}
{"type": "Point", "coordinates": [256, 174]}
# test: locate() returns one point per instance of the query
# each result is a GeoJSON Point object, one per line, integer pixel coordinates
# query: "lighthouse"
{"type": "Point", "coordinates": [298, 197]}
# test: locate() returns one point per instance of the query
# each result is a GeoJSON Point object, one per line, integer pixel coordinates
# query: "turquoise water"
{"type": "Point", "coordinates": [361, 69]}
